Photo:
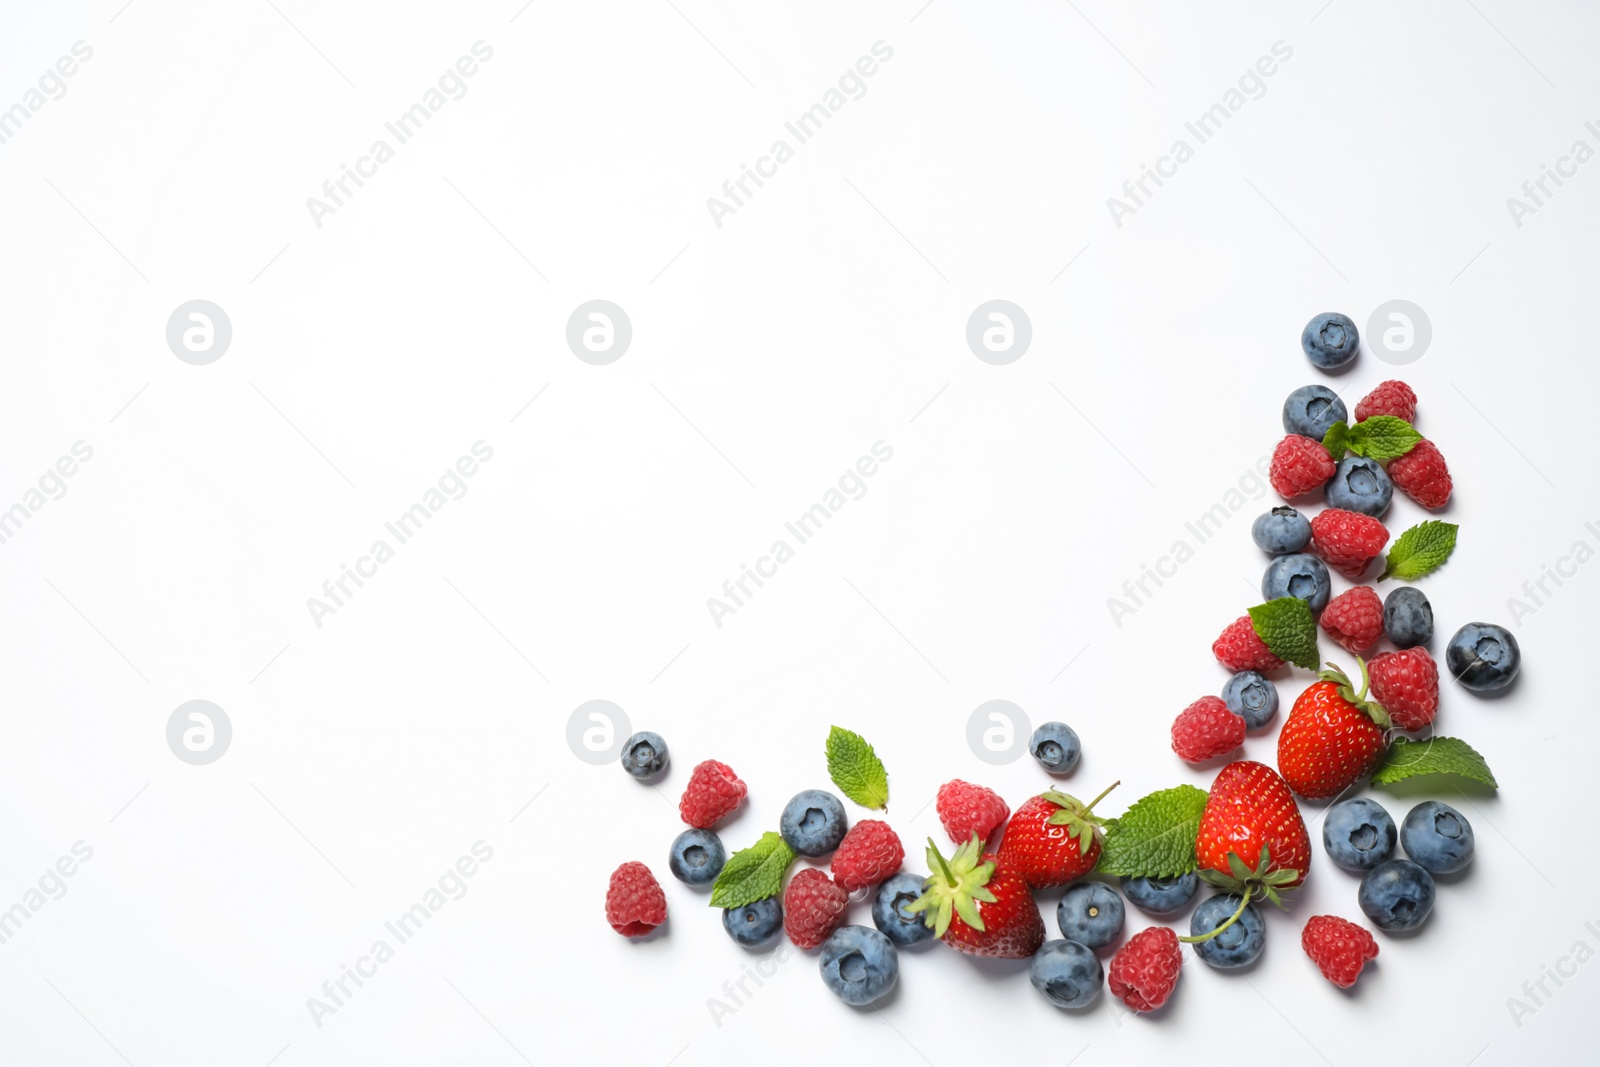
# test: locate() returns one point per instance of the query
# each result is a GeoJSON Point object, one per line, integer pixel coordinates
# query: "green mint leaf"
{"type": "Point", "coordinates": [1435, 755]}
{"type": "Point", "coordinates": [1382, 437]}
{"type": "Point", "coordinates": [1420, 550]}
{"type": "Point", "coordinates": [753, 873]}
{"type": "Point", "coordinates": [1335, 440]}
{"type": "Point", "coordinates": [1155, 837]}
{"type": "Point", "coordinates": [1285, 625]}
{"type": "Point", "coordinates": [856, 769]}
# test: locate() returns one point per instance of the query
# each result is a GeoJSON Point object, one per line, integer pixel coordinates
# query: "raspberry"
{"type": "Point", "coordinates": [1300, 465]}
{"type": "Point", "coordinates": [1240, 649]}
{"type": "Point", "coordinates": [1347, 540]}
{"type": "Point", "coordinates": [1406, 683]}
{"type": "Point", "coordinates": [966, 809]}
{"type": "Point", "coordinates": [1338, 947]}
{"type": "Point", "coordinates": [1144, 971]}
{"type": "Point", "coordinates": [1206, 729]}
{"type": "Point", "coordinates": [1422, 475]}
{"type": "Point", "coordinates": [869, 853]}
{"type": "Point", "coordinates": [713, 791]}
{"type": "Point", "coordinates": [1354, 618]}
{"type": "Point", "coordinates": [635, 904]}
{"type": "Point", "coordinates": [1389, 398]}
{"type": "Point", "coordinates": [813, 907]}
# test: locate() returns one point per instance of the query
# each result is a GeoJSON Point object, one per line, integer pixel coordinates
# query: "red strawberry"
{"type": "Point", "coordinates": [713, 791]}
{"type": "Point", "coordinates": [1241, 649]}
{"type": "Point", "coordinates": [1338, 947]}
{"type": "Point", "coordinates": [1332, 737]}
{"type": "Point", "coordinates": [1406, 683]}
{"type": "Point", "coordinates": [1422, 475]}
{"type": "Point", "coordinates": [1300, 465]}
{"type": "Point", "coordinates": [1389, 398]}
{"type": "Point", "coordinates": [1354, 618]}
{"type": "Point", "coordinates": [1205, 730]}
{"type": "Point", "coordinates": [1251, 816]}
{"type": "Point", "coordinates": [966, 809]}
{"type": "Point", "coordinates": [869, 853]}
{"type": "Point", "coordinates": [635, 904]}
{"type": "Point", "coordinates": [1347, 540]}
{"type": "Point", "coordinates": [1052, 839]}
{"type": "Point", "coordinates": [1144, 972]}
{"type": "Point", "coordinates": [813, 907]}
{"type": "Point", "coordinates": [977, 905]}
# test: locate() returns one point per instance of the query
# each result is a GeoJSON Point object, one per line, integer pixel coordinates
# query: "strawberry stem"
{"type": "Point", "coordinates": [1087, 808]}
{"type": "Point", "coordinates": [1244, 902]}
{"type": "Point", "coordinates": [933, 848]}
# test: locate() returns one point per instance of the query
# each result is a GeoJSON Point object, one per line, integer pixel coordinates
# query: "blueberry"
{"type": "Point", "coordinates": [859, 964]}
{"type": "Point", "coordinates": [1091, 913]}
{"type": "Point", "coordinates": [697, 857]}
{"type": "Point", "coordinates": [754, 923]}
{"type": "Point", "coordinates": [645, 755]}
{"type": "Point", "coordinates": [1301, 575]}
{"type": "Point", "coordinates": [889, 912]}
{"type": "Point", "coordinates": [1408, 617]}
{"type": "Point", "coordinates": [1055, 746]}
{"type": "Point", "coordinates": [1360, 484]}
{"type": "Point", "coordinates": [813, 823]}
{"type": "Point", "coordinates": [1252, 697]}
{"type": "Point", "coordinates": [1160, 895]}
{"type": "Point", "coordinates": [1281, 530]}
{"type": "Point", "coordinates": [1483, 657]}
{"type": "Point", "coordinates": [1396, 895]}
{"type": "Point", "coordinates": [1311, 410]}
{"type": "Point", "coordinates": [1238, 945]}
{"type": "Point", "coordinates": [1067, 973]}
{"type": "Point", "coordinates": [1437, 837]}
{"type": "Point", "coordinates": [1358, 834]}
{"type": "Point", "coordinates": [1330, 340]}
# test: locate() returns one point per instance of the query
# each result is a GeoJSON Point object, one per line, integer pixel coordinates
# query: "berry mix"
{"type": "Point", "coordinates": [1244, 836]}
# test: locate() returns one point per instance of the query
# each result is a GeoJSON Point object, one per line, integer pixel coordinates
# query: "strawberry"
{"type": "Point", "coordinates": [976, 904]}
{"type": "Point", "coordinates": [1052, 839]}
{"type": "Point", "coordinates": [1406, 683]}
{"type": "Point", "coordinates": [1332, 737]}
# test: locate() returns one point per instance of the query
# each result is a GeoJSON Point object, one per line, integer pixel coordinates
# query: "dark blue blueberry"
{"type": "Point", "coordinates": [1251, 696]}
{"type": "Point", "coordinates": [889, 912]}
{"type": "Point", "coordinates": [1238, 945]}
{"type": "Point", "coordinates": [1301, 575]}
{"type": "Point", "coordinates": [645, 755]}
{"type": "Point", "coordinates": [1160, 895]}
{"type": "Point", "coordinates": [1055, 746]}
{"type": "Point", "coordinates": [1091, 913]}
{"type": "Point", "coordinates": [813, 823]}
{"type": "Point", "coordinates": [1067, 973]}
{"type": "Point", "coordinates": [1483, 657]}
{"type": "Point", "coordinates": [1396, 895]}
{"type": "Point", "coordinates": [755, 923]}
{"type": "Point", "coordinates": [1330, 340]}
{"type": "Point", "coordinates": [1311, 410]}
{"type": "Point", "coordinates": [697, 857]}
{"type": "Point", "coordinates": [1358, 834]}
{"type": "Point", "coordinates": [1437, 837]}
{"type": "Point", "coordinates": [1360, 484]}
{"type": "Point", "coordinates": [1281, 530]}
{"type": "Point", "coordinates": [859, 964]}
{"type": "Point", "coordinates": [1408, 617]}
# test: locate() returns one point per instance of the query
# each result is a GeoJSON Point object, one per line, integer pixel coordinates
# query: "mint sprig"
{"type": "Point", "coordinates": [1155, 837]}
{"type": "Point", "coordinates": [1435, 755]}
{"type": "Point", "coordinates": [1336, 440]}
{"type": "Point", "coordinates": [856, 769]}
{"type": "Point", "coordinates": [1420, 550]}
{"type": "Point", "coordinates": [1285, 625]}
{"type": "Point", "coordinates": [753, 873]}
{"type": "Point", "coordinates": [1382, 437]}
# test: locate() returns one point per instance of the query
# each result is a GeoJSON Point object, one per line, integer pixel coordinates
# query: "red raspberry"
{"type": "Point", "coordinates": [1347, 540]}
{"type": "Point", "coordinates": [1300, 465]}
{"type": "Point", "coordinates": [1389, 398]}
{"type": "Point", "coordinates": [1206, 729]}
{"type": "Point", "coordinates": [813, 907]}
{"type": "Point", "coordinates": [1422, 475]}
{"type": "Point", "coordinates": [713, 791]}
{"type": "Point", "coordinates": [1144, 971]}
{"type": "Point", "coordinates": [1240, 649]}
{"type": "Point", "coordinates": [966, 809]}
{"type": "Point", "coordinates": [1354, 618]}
{"type": "Point", "coordinates": [869, 853]}
{"type": "Point", "coordinates": [635, 904]}
{"type": "Point", "coordinates": [1406, 683]}
{"type": "Point", "coordinates": [1338, 947]}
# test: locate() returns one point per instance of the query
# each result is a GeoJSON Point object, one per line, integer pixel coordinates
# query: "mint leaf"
{"type": "Point", "coordinates": [1155, 837]}
{"type": "Point", "coordinates": [1335, 440]}
{"type": "Point", "coordinates": [753, 873]}
{"type": "Point", "coordinates": [1286, 626]}
{"type": "Point", "coordinates": [1436, 755]}
{"type": "Point", "coordinates": [856, 769]}
{"type": "Point", "coordinates": [1382, 437]}
{"type": "Point", "coordinates": [1420, 550]}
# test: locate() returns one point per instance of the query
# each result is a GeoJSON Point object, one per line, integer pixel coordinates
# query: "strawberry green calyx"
{"type": "Point", "coordinates": [1264, 881]}
{"type": "Point", "coordinates": [955, 887]}
{"type": "Point", "coordinates": [1347, 690]}
{"type": "Point", "coordinates": [1077, 818]}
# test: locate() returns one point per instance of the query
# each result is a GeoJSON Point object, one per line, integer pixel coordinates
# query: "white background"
{"type": "Point", "coordinates": [768, 354]}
